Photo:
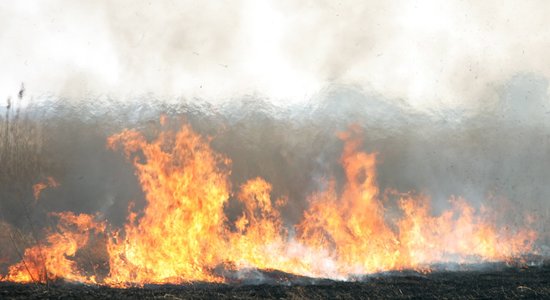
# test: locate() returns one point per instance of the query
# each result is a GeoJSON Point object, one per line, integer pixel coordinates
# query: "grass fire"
{"type": "Point", "coordinates": [183, 235]}
{"type": "Point", "coordinates": [274, 149]}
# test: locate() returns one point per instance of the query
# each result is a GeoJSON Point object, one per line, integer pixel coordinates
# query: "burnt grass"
{"type": "Point", "coordinates": [488, 283]}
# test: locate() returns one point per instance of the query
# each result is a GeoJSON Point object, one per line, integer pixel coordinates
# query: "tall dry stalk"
{"type": "Point", "coordinates": [21, 160]}
{"type": "Point", "coordinates": [21, 143]}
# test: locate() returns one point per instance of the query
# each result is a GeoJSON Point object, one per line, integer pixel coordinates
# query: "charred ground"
{"type": "Point", "coordinates": [495, 283]}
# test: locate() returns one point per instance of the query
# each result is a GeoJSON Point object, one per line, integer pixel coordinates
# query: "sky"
{"type": "Point", "coordinates": [442, 54]}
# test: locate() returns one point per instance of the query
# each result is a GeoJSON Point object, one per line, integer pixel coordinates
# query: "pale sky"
{"type": "Point", "coordinates": [426, 53]}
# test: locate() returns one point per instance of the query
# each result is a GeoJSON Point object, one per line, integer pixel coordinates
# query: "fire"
{"type": "Point", "coordinates": [183, 235]}
{"type": "Point", "coordinates": [459, 234]}
{"type": "Point", "coordinates": [39, 187]}
{"type": "Point", "coordinates": [354, 229]}
{"type": "Point", "coordinates": [352, 225]}
{"type": "Point", "coordinates": [54, 258]}
{"type": "Point", "coordinates": [180, 236]}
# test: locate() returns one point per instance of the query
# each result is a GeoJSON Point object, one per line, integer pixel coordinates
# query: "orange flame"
{"type": "Point", "coordinates": [183, 234]}
{"type": "Point", "coordinates": [54, 258]}
{"type": "Point", "coordinates": [39, 187]}
{"type": "Point", "coordinates": [180, 236]}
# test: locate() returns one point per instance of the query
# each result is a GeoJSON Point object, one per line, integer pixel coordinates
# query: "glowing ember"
{"type": "Point", "coordinates": [183, 235]}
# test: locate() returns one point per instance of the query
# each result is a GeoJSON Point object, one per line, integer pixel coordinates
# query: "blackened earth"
{"type": "Point", "coordinates": [502, 282]}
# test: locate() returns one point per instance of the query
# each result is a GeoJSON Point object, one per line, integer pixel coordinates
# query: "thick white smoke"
{"type": "Point", "coordinates": [428, 53]}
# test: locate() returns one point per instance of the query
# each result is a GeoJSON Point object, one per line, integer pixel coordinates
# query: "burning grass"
{"type": "Point", "coordinates": [22, 164]}
{"type": "Point", "coordinates": [183, 235]}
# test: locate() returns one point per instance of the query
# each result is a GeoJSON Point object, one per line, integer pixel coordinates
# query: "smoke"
{"type": "Point", "coordinates": [430, 54]}
{"type": "Point", "coordinates": [495, 158]}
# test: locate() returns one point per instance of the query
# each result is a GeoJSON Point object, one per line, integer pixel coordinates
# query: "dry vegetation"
{"type": "Point", "coordinates": [21, 142]}
{"type": "Point", "coordinates": [21, 166]}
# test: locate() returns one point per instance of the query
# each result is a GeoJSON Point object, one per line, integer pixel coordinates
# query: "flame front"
{"type": "Point", "coordinates": [183, 235]}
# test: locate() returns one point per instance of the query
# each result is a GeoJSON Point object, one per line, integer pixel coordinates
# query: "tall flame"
{"type": "Point", "coordinates": [183, 234]}
{"type": "Point", "coordinates": [352, 225]}
{"type": "Point", "coordinates": [180, 236]}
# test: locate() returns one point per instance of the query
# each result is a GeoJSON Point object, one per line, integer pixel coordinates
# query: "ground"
{"type": "Point", "coordinates": [492, 283]}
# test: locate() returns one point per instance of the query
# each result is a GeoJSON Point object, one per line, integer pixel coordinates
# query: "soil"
{"type": "Point", "coordinates": [485, 283]}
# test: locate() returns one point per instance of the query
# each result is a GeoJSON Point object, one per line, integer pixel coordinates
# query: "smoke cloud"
{"type": "Point", "coordinates": [431, 55]}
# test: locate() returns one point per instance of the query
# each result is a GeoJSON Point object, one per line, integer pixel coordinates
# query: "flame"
{"type": "Point", "coordinates": [54, 258]}
{"type": "Point", "coordinates": [183, 235]}
{"type": "Point", "coordinates": [458, 234]}
{"type": "Point", "coordinates": [354, 229]}
{"type": "Point", "coordinates": [352, 225]}
{"type": "Point", "coordinates": [39, 187]}
{"type": "Point", "coordinates": [180, 236]}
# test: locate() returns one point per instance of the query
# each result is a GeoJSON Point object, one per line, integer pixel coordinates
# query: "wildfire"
{"type": "Point", "coordinates": [183, 234]}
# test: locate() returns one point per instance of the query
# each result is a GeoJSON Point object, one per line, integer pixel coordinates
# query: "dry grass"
{"type": "Point", "coordinates": [21, 165]}
{"type": "Point", "coordinates": [21, 141]}
{"type": "Point", "coordinates": [14, 242]}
